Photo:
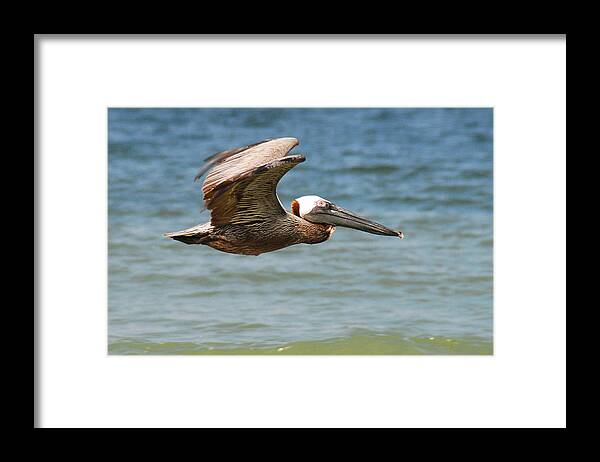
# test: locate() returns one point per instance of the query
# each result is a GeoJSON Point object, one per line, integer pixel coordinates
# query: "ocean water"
{"type": "Point", "coordinates": [427, 172]}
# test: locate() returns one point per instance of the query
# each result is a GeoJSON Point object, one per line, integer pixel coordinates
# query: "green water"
{"type": "Point", "coordinates": [357, 344]}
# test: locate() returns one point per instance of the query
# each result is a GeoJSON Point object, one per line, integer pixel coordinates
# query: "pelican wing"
{"type": "Point", "coordinates": [241, 184]}
{"type": "Point", "coordinates": [223, 156]}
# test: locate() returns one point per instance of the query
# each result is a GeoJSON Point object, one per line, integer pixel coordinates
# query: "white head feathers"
{"type": "Point", "coordinates": [307, 203]}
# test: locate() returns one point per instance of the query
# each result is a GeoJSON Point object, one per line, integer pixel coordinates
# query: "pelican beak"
{"type": "Point", "coordinates": [338, 216]}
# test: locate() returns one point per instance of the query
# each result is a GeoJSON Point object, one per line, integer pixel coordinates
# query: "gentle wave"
{"type": "Point", "coordinates": [368, 169]}
{"type": "Point", "coordinates": [364, 343]}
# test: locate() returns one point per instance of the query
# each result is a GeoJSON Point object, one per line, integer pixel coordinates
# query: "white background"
{"type": "Point", "coordinates": [523, 384]}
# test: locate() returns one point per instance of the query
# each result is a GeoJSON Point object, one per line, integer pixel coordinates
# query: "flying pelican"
{"type": "Point", "coordinates": [246, 216]}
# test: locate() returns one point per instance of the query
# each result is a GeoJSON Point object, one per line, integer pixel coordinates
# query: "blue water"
{"type": "Point", "coordinates": [426, 171]}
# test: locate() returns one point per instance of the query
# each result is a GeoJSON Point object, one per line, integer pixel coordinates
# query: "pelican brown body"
{"type": "Point", "coordinates": [246, 215]}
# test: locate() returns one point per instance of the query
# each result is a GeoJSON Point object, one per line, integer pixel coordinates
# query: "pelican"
{"type": "Point", "coordinates": [246, 216]}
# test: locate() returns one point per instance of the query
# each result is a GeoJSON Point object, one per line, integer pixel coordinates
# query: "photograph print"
{"type": "Point", "coordinates": [300, 231]}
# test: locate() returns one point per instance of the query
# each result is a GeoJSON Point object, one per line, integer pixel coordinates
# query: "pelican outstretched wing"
{"type": "Point", "coordinates": [241, 183]}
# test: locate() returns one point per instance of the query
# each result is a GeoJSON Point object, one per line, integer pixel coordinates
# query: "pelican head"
{"type": "Point", "coordinates": [318, 210]}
